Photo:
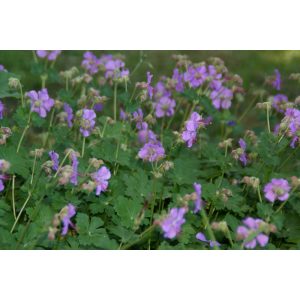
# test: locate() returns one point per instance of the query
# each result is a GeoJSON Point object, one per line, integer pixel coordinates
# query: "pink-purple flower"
{"type": "Point", "coordinates": [277, 189]}
{"type": "Point", "coordinates": [101, 178]}
{"type": "Point", "coordinates": [195, 76]}
{"type": "Point", "coordinates": [149, 87]}
{"type": "Point", "coordinates": [41, 102]}
{"type": "Point", "coordinates": [201, 237]}
{"type": "Point", "coordinates": [152, 151]}
{"type": "Point", "coordinates": [171, 224]}
{"type": "Point", "coordinates": [276, 83]}
{"type": "Point", "coordinates": [165, 107]}
{"type": "Point", "coordinates": [178, 80]}
{"type": "Point", "coordinates": [189, 135]}
{"type": "Point", "coordinates": [90, 62]}
{"type": "Point", "coordinates": [48, 54]}
{"type": "Point", "coordinates": [278, 102]}
{"type": "Point", "coordinates": [145, 135]}
{"type": "Point", "coordinates": [1, 110]}
{"type": "Point", "coordinates": [55, 160]}
{"type": "Point", "coordinates": [87, 122]}
{"type": "Point", "coordinates": [252, 228]}
{"type": "Point", "coordinates": [221, 98]}
{"type": "Point", "coordinates": [74, 175]}
{"type": "Point", "coordinates": [69, 114]}
{"type": "Point", "coordinates": [242, 154]}
{"type": "Point", "coordinates": [137, 117]}
{"type": "Point", "coordinates": [66, 220]}
{"type": "Point", "coordinates": [199, 203]}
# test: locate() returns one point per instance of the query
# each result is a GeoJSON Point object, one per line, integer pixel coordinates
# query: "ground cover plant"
{"type": "Point", "coordinates": [90, 159]}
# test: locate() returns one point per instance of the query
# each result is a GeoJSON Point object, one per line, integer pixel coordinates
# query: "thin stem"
{"type": "Point", "coordinates": [209, 230]}
{"type": "Point", "coordinates": [259, 194]}
{"type": "Point", "coordinates": [133, 93]}
{"type": "Point", "coordinates": [115, 101]}
{"type": "Point", "coordinates": [33, 168]}
{"type": "Point", "coordinates": [49, 127]}
{"type": "Point", "coordinates": [13, 196]}
{"type": "Point", "coordinates": [83, 147]}
{"type": "Point", "coordinates": [268, 118]}
{"type": "Point", "coordinates": [19, 215]}
{"type": "Point", "coordinates": [24, 132]}
{"type": "Point", "coordinates": [247, 110]}
{"type": "Point", "coordinates": [61, 164]}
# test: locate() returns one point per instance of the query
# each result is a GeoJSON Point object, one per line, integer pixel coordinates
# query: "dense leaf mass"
{"type": "Point", "coordinates": [91, 159]}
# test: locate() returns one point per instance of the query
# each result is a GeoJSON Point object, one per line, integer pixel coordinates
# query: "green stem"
{"type": "Point", "coordinates": [33, 168]}
{"type": "Point", "coordinates": [19, 215]}
{"type": "Point", "coordinates": [13, 196]}
{"type": "Point", "coordinates": [61, 164]}
{"type": "Point", "coordinates": [259, 194]}
{"type": "Point", "coordinates": [24, 132]}
{"type": "Point", "coordinates": [22, 95]}
{"type": "Point", "coordinates": [49, 127]}
{"type": "Point", "coordinates": [83, 147]}
{"type": "Point", "coordinates": [115, 101]}
{"type": "Point", "coordinates": [209, 230]}
{"type": "Point", "coordinates": [268, 118]}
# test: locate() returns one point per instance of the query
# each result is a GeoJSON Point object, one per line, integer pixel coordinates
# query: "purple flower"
{"type": "Point", "coordinates": [114, 69]}
{"type": "Point", "coordinates": [278, 101]}
{"type": "Point", "coordinates": [276, 83]}
{"type": "Point", "coordinates": [152, 151]}
{"type": "Point", "coordinates": [50, 55]}
{"type": "Point", "coordinates": [164, 107]}
{"type": "Point", "coordinates": [1, 110]}
{"type": "Point", "coordinates": [138, 118]}
{"type": "Point", "coordinates": [146, 135]}
{"type": "Point", "coordinates": [54, 158]}
{"type": "Point", "coordinates": [74, 175]}
{"type": "Point", "coordinates": [70, 212]}
{"type": "Point", "coordinates": [149, 87]}
{"type": "Point", "coordinates": [161, 91]}
{"type": "Point", "coordinates": [101, 179]}
{"type": "Point", "coordinates": [277, 189]}
{"type": "Point", "coordinates": [123, 115]}
{"type": "Point", "coordinates": [1, 185]}
{"type": "Point", "coordinates": [242, 154]}
{"type": "Point", "coordinates": [178, 80]}
{"type": "Point", "coordinates": [292, 115]}
{"type": "Point", "coordinates": [90, 63]}
{"type": "Point", "coordinates": [41, 102]}
{"type": "Point", "coordinates": [195, 76]}
{"type": "Point", "coordinates": [2, 69]}
{"type": "Point", "coordinates": [189, 135]}
{"type": "Point", "coordinates": [201, 237]}
{"type": "Point", "coordinates": [87, 122]}
{"type": "Point", "coordinates": [252, 227]}
{"type": "Point", "coordinates": [172, 223]}
{"type": "Point", "coordinates": [199, 203]}
{"type": "Point", "coordinates": [221, 98]}
{"type": "Point", "coordinates": [69, 111]}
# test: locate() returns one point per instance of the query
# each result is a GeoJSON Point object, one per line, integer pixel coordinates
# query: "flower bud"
{"type": "Point", "coordinates": [4, 165]}
{"type": "Point", "coordinates": [95, 163]}
{"type": "Point", "coordinates": [13, 82]}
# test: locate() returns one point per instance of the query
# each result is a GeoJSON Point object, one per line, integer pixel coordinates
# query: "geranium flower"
{"type": "Point", "coordinates": [277, 189]}
{"type": "Point", "coordinates": [101, 178]}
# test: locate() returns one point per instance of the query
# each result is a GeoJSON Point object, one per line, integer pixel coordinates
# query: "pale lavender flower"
{"type": "Point", "coordinates": [138, 118]}
{"type": "Point", "coordinates": [2, 68]}
{"type": "Point", "coordinates": [87, 122]}
{"type": "Point", "coordinates": [70, 212]}
{"type": "Point", "coordinates": [172, 223]}
{"type": "Point", "coordinates": [195, 76]}
{"type": "Point", "coordinates": [292, 116]}
{"type": "Point", "coordinates": [145, 135]}
{"type": "Point", "coordinates": [199, 203]}
{"type": "Point", "coordinates": [161, 91]}
{"type": "Point", "coordinates": [101, 178]}
{"type": "Point", "coordinates": [189, 135]}
{"type": "Point", "coordinates": [276, 83]}
{"type": "Point", "coordinates": [123, 115]}
{"type": "Point", "coordinates": [221, 98]}
{"type": "Point", "coordinates": [152, 151]}
{"type": "Point", "coordinates": [201, 237]}
{"type": "Point", "coordinates": [41, 102]}
{"type": "Point", "coordinates": [277, 189]}
{"type": "Point", "coordinates": [55, 160]}
{"type": "Point", "coordinates": [165, 107]}
{"type": "Point", "coordinates": [252, 227]}
{"type": "Point", "coordinates": [178, 79]}
{"type": "Point", "coordinates": [69, 111]}
{"type": "Point", "coordinates": [1, 185]}
{"type": "Point", "coordinates": [48, 54]}
{"type": "Point", "coordinates": [74, 175]}
{"type": "Point", "coordinates": [278, 101]}
{"type": "Point", "coordinates": [90, 62]}
{"type": "Point", "coordinates": [114, 68]}
{"type": "Point", "coordinates": [149, 87]}
{"type": "Point", "coordinates": [242, 154]}
{"type": "Point", "coordinates": [1, 110]}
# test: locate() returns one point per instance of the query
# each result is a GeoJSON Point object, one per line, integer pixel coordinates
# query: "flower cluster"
{"type": "Point", "coordinates": [41, 102]}
{"type": "Point", "coordinates": [252, 233]}
{"type": "Point", "coordinates": [171, 224]}
{"type": "Point", "coordinates": [152, 151]}
{"type": "Point", "coordinates": [87, 121]}
{"type": "Point", "coordinates": [48, 54]}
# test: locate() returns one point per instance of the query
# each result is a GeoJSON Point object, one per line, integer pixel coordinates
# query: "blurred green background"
{"type": "Point", "coordinates": [253, 66]}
